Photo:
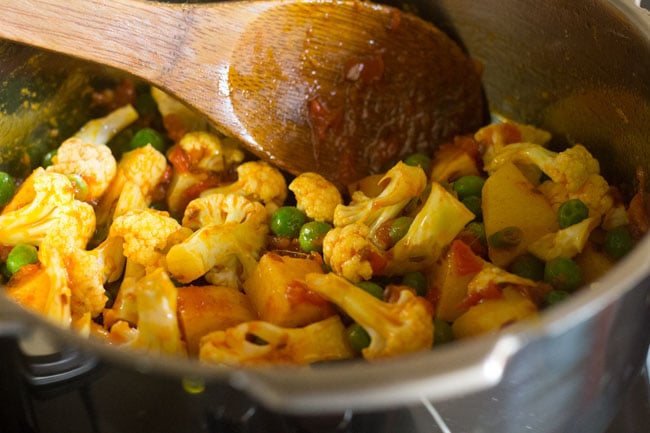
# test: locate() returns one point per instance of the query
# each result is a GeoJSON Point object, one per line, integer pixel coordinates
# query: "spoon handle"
{"type": "Point", "coordinates": [155, 41]}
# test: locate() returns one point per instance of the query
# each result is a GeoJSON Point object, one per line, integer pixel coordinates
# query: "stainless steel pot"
{"type": "Point", "coordinates": [580, 69]}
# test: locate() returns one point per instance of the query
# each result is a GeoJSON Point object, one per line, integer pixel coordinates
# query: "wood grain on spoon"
{"type": "Point", "coordinates": [340, 88]}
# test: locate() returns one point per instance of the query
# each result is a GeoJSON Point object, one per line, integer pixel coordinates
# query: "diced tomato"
{"type": "Point", "coordinates": [463, 258]}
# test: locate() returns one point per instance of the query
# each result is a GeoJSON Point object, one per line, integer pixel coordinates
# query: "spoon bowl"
{"type": "Point", "coordinates": [341, 88]}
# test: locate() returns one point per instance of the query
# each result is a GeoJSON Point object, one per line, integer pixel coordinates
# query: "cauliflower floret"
{"type": "Point", "coordinates": [404, 326]}
{"type": "Point", "coordinates": [434, 227]}
{"type": "Point", "coordinates": [35, 208]}
{"type": "Point", "coordinates": [256, 180]}
{"type": "Point", "coordinates": [402, 183]}
{"type": "Point", "coordinates": [100, 131]}
{"type": "Point", "coordinates": [147, 235]}
{"type": "Point", "coordinates": [316, 196]}
{"type": "Point", "coordinates": [138, 173]}
{"type": "Point", "coordinates": [570, 168]}
{"type": "Point", "coordinates": [319, 341]}
{"type": "Point", "coordinates": [350, 253]}
{"type": "Point", "coordinates": [200, 160]}
{"type": "Point", "coordinates": [88, 271]}
{"type": "Point", "coordinates": [567, 242]}
{"type": "Point", "coordinates": [491, 275]}
{"type": "Point", "coordinates": [492, 138]}
{"type": "Point", "coordinates": [94, 163]}
{"type": "Point", "coordinates": [574, 173]}
{"type": "Point", "coordinates": [455, 159]}
{"type": "Point", "coordinates": [124, 307]}
{"type": "Point", "coordinates": [228, 242]}
{"type": "Point", "coordinates": [157, 328]}
{"type": "Point", "coordinates": [87, 155]}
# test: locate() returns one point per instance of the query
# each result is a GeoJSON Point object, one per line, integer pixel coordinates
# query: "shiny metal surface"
{"type": "Point", "coordinates": [579, 69]}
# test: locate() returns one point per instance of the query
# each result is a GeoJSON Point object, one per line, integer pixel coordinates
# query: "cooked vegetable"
{"type": "Point", "coordinates": [358, 337]}
{"type": "Point", "coordinates": [419, 160]}
{"type": "Point", "coordinates": [279, 295]}
{"type": "Point", "coordinates": [7, 188]}
{"type": "Point", "coordinates": [572, 212]}
{"type": "Point", "coordinates": [201, 252]}
{"type": "Point", "coordinates": [146, 136]}
{"type": "Point", "coordinates": [320, 341]}
{"type": "Point", "coordinates": [311, 236]}
{"type": "Point", "coordinates": [21, 255]}
{"type": "Point", "coordinates": [316, 196]}
{"type": "Point", "coordinates": [287, 221]}
{"type": "Point", "coordinates": [618, 242]}
{"type": "Point", "coordinates": [563, 274]}
{"type": "Point", "coordinates": [506, 237]}
{"type": "Point", "coordinates": [511, 200]}
{"type": "Point", "coordinates": [469, 185]}
{"type": "Point", "coordinates": [398, 228]}
{"type": "Point", "coordinates": [400, 327]}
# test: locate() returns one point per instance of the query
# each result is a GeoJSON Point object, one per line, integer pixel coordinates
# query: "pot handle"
{"type": "Point", "coordinates": [337, 387]}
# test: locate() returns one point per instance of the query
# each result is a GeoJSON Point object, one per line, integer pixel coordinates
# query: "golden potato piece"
{"type": "Point", "coordinates": [204, 309]}
{"type": "Point", "coordinates": [279, 295]}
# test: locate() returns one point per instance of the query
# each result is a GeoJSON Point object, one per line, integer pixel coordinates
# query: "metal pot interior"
{"type": "Point", "coordinates": [577, 69]}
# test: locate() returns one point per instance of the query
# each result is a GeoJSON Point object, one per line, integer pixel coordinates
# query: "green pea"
{"type": "Point", "coordinates": [563, 274]}
{"type": "Point", "coordinates": [506, 237]}
{"type": "Point", "coordinates": [80, 186]}
{"type": "Point", "coordinates": [48, 158]}
{"type": "Point", "coordinates": [287, 221]}
{"type": "Point", "coordinates": [477, 229]}
{"type": "Point", "coordinates": [555, 297]}
{"type": "Point", "coordinates": [468, 185]}
{"type": "Point", "coordinates": [473, 203]}
{"type": "Point", "coordinates": [373, 288]}
{"type": "Point", "coordinates": [419, 159]}
{"type": "Point", "coordinates": [398, 228]}
{"type": "Point", "coordinates": [146, 136]}
{"type": "Point", "coordinates": [7, 188]}
{"type": "Point", "coordinates": [528, 266]}
{"type": "Point", "coordinates": [572, 212]}
{"type": "Point", "coordinates": [618, 242]}
{"type": "Point", "coordinates": [311, 236]}
{"type": "Point", "coordinates": [442, 332]}
{"type": "Point", "coordinates": [417, 281]}
{"type": "Point", "coordinates": [358, 337]}
{"type": "Point", "coordinates": [21, 255]}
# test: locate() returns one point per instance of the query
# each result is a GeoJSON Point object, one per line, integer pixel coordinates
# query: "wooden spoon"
{"type": "Point", "coordinates": [340, 88]}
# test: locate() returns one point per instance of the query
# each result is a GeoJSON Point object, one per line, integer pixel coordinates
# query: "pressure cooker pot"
{"type": "Point", "coordinates": [577, 69]}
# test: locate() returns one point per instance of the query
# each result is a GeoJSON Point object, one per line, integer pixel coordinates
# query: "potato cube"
{"type": "Point", "coordinates": [280, 296]}
{"type": "Point", "coordinates": [203, 309]}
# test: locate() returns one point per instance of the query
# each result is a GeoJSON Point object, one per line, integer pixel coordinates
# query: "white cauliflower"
{"type": "Point", "coordinates": [147, 235]}
{"type": "Point", "coordinates": [395, 328]}
{"type": "Point", "coordinates": [316, 196]}
{"type": "Point", "coordinates": [101, 130]}
{"type": "Point", "coordinates": [138, 173]}
{"type": "Point", "coordinates": [256, 180]}
{"type": "Point", "coordinates": [36, 208]}
{"type": "Point", "coordinates": [319, 341]}
{"type": "Point", "coordinates": [350, 253]}
{"type": "Point", "coordinates": [434, 227]}
{"type": "Point", "coordinates": [200, 159]}
{"type": "Point", "coordinates": [401, 184]}
{"type": "Point", "coordinates": [157, 330]}
{"type": "Point", "coordinates": [231, 232]}
{"type": "Point", "coordinates": [494, 137]}
{"type": "Point", "coordinates": [567, 242]}
{"type": "Point", "coordinates": [574, 173]}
